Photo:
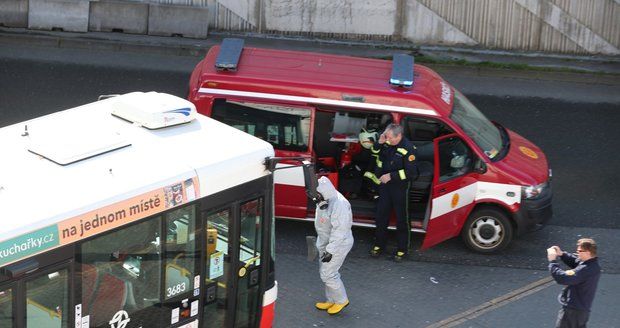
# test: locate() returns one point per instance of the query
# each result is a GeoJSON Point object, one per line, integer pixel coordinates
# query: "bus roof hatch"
{"type": "Point", "coordinates": [402, 70]}
{"type": "Point", "coordinates": [230, 51]}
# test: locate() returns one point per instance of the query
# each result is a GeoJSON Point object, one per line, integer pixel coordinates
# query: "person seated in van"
{"type": "Point", "coordinates": [396, 167]}
{"type": "Point", "coordinates": [367, 139]}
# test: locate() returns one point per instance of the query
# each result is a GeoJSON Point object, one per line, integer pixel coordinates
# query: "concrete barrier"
{"type": "Point", "coordinates": [14, 13]}
{"type": "Point", "coordinates": [170, 20]}
{"type": "Point", "coordinates": [117, 16]}
{"type": "Point", "coordinates": [66, 15]}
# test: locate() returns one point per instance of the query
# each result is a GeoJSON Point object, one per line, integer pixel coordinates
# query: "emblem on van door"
{"type": "Point", "coordinates": [455, 200]}
{"type": "Point", "coordinates": [119, 320]}
{"type": "Point", "coordinates": [528, 152]}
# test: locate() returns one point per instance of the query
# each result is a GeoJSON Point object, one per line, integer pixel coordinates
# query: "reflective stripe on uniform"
{"type": "Point", "coordinates": [379, 162]}
{"type": "Point", "coordinates": [372, 177]}
{"type": "Point", "coordinates": [402, 175]}
{"type": "Point", "coordinates": [402, 151]}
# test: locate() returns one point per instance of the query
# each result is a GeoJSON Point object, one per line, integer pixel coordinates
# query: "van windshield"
{"type": "Point", "coordinates": [286, 128]}
{"type": "Point", "coordinates": [484, 133]}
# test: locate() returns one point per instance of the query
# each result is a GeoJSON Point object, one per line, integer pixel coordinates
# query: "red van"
{"type": "Point", "coordinates": [476, 178]}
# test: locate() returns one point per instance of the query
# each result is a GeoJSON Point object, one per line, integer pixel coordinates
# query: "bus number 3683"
{"type": "Point", "coordinates": [174, 290]}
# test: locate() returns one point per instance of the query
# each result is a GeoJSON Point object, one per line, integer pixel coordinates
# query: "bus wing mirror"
{"type": "Point", "coordinates": [310, 180]}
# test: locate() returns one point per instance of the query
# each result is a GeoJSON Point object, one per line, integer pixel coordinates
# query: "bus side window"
{"type": "Point", "coordinates": [6, 308]}
{"type": "Point", "coordinates": [47, 300]}
{"type": "Point", "coordinates": [120, 270]}
{"type": "Point", "coordinates": [181, 255]}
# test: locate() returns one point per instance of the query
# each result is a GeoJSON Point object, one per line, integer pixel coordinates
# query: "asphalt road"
{"type": "Point", "coordinates": [581, 140]}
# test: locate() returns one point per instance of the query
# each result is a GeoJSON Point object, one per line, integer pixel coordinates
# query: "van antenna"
{"type": "Point", "coordinates": [25, 134]}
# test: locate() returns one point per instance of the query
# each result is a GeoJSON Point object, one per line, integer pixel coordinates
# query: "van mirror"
{"type": "Point", "coordinates": [480, 166]}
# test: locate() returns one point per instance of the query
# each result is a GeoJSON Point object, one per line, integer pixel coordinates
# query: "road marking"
{"type": "Point", "coordinates": [495, 303]}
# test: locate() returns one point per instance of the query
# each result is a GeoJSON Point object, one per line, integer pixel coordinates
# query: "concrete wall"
{"type": "Point", "coordinates": [119, 16]}
{"type": "Point", "coordinates": [14, 13]}
{"type": "Point", "coordinates": [560, 26]}
{"type": "Point", "coordinates": [65, 15]}
{"type": "Point", "coordinates": [172, 20]}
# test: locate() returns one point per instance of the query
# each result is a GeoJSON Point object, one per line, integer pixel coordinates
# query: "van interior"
{"type": "Point", "coordinates": [341, 156]}
{"type": "Point", "coordinates": [336, 146]}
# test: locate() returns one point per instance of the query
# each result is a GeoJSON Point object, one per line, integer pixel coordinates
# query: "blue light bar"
{"type": "Point", "coordinates": [402, 70]}
{"type": "Point", "coordinates": [230, 51]}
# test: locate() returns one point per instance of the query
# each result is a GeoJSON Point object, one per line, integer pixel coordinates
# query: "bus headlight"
{"type": "Point", "coordinates": [533, 191]}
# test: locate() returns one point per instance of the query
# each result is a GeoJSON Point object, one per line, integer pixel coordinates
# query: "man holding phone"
{"type": "Point", "coordinates": [580, 281]}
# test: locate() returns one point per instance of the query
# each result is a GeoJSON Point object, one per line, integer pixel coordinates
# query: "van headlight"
{"type": "Point", "coordinates": [533, 191]}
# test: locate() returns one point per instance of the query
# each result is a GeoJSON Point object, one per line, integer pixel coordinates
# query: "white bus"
{"type": "Point", "coordinates": [135, 211]}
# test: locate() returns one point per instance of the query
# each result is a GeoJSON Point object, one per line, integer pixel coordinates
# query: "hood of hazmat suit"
{"type": "Point", "coordinates": [333, 224]}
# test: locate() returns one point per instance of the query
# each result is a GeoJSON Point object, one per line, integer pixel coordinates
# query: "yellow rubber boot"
{"type": "Point", "coordinates": [323, 305]}
{"type": "Point", "coordinates": [336, 308]}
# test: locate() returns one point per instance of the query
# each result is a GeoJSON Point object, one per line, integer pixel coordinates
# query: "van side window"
{"type": "Point", "coordinates": [455, 158]}
{"type": "Point", "coordinates": [286, 128]}
{"type": "Point", "coordinates": [421, 130]}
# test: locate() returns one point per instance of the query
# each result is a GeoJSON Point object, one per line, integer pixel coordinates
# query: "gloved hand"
{"type": "Point", "coordinates": [326, 257]}
{"type": "Point", "coordinates": [551, 254]}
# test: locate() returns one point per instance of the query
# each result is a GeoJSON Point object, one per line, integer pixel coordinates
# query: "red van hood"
{"type": "Point", "coordinates": [525, 163]}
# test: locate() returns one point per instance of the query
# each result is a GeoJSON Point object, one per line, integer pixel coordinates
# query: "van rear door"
{"type": "Point", "coordinates": [453, 191]}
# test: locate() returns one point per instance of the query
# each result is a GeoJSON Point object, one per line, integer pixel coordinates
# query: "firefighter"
{"type": "Point", "coordinates": [333, 222]}
{"type": "Point", "coordinates": [367, 140]}
{"type": "Point", "coordinates": [396, 169]}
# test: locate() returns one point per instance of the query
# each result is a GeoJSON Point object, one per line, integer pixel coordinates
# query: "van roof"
{"type": "Point", "coordinates": [326, 76]}
{"type": "Point", "coordinates": [36, 192]}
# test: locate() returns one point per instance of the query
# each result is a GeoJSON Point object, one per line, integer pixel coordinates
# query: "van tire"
{"type": "Point", "coordinates": [487, 230]}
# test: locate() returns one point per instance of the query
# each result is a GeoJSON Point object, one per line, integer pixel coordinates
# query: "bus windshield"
{"type": "Point", "coordinates": [484, 133]}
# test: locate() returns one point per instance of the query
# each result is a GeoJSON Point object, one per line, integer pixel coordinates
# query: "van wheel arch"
{"type": "Point", "coordinates": [489, 229]}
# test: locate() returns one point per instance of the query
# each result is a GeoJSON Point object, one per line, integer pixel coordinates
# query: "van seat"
{"type": "Point", "coordinates": [425, 176]}
{"type": "Point", "coordinates": [425, 151]}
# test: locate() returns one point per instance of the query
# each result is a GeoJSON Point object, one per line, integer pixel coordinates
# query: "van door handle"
{"type": "Point", "coordinates": [442, 190]}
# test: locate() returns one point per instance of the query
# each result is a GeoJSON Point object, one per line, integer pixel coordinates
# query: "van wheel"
{"type": "Point", "coordinates": [487, 230]}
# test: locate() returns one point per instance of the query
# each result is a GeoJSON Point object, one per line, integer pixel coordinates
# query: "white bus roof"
{"type": "Point", "coordinates": [36, 192]}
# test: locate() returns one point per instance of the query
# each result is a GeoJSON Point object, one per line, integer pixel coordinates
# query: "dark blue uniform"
{"type": "Point", "coordinates": [581, 282]}
{"type": "Point", "coordinates": [399, 162]}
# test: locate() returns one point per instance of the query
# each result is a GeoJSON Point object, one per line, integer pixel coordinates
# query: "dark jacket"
{"type": "Point", "coordinates": [398, 160]}
{"type": "Point", "coordinates": [580, 281]}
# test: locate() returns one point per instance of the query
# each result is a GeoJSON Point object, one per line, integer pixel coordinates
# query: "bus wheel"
{"type": "Point", "coordinates": [487, 230]}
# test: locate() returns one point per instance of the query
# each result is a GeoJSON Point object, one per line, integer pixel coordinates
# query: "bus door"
{"type": "Point", "coordinates": [453, 190]}
{"type": "Point", "coordinates": [181, 266]}
{"type": "Point", "coordinates": [233, 265]}
{"type": "Point", "coordinates": [35, 297]}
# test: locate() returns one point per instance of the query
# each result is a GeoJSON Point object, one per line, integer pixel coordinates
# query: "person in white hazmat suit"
{"type": "Point", "coordinates": [334, 241]}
